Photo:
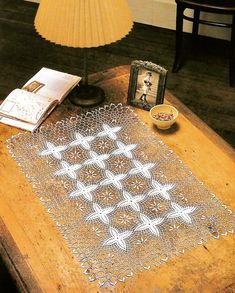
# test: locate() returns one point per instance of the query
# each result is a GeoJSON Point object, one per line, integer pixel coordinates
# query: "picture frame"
{"type": "Point", "coordinates": [147, 84]}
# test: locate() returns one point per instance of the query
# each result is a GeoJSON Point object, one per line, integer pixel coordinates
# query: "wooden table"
{"type": "Point", "coordinates": [36, 254]}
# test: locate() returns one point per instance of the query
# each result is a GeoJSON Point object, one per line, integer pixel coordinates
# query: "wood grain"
{"type": "Point", "coordinates": [36, 253]}
{"type": "Point", "coordinates": [202, 84]}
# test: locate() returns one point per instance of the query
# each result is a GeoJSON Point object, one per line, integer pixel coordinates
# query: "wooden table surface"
{"type": "Point", "coordinates": [36, 254]}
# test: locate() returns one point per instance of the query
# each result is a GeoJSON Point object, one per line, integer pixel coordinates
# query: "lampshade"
{"type": "Point", "coordinates": [83, 23]}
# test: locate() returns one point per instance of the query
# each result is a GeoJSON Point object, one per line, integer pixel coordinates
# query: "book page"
{"type": "Point", "coordinates": [25, 106]}
{"type": "Point", "coordinates": [18, 124]}
{"type": "Point", "coordinates": [52, 83]}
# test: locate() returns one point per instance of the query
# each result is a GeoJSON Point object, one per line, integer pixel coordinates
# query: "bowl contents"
{"type": "Point", "coordinates": [163, 116]}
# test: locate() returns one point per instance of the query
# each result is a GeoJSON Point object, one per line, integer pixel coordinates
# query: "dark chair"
{"type": "Point", "coordinates": [213, 6]}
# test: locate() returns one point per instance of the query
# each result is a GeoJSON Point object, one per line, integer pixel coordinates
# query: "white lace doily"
{"type": "Point", "coordinates": [122, 200]}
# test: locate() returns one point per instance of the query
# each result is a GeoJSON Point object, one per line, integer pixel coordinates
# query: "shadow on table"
{"type": "Point", "coordinates": [173, 129]}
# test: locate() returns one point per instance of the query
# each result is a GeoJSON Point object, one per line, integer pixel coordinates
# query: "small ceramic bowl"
{"type": "Point", "coordinates": [163, 108]}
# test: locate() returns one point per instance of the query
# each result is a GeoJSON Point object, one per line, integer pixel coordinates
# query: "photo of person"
{"type": "Point", "coordinates": [147, 84]}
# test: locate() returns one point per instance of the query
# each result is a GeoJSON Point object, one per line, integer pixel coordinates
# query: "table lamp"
{"type": "Point", "coordinates": [84, 24]}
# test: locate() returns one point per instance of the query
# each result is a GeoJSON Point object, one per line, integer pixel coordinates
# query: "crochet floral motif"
{"type": "Point", "coordinates": [132, 201]}
{"type": "Point", "coordinates": [113, 179]}
{"type": "Point", "coordinates": [53, 150]}
{"type": "Point", "coordinates": [149, 224]}
{"type": "Point", "coordinates": [109, 131]}
{"type": "Point", "coordinates": [117, 238]}
{"type": "Point", "coordinates": [82, 141]}
{"type": "Point", "coordinates": [160, 190]}
{"type": "Point", "coordinates": [181, 212]}
{"type": "Point", "coordinates": [143, 169]}
{"type": "Point", "coordinates": [100, 213]}
{"type": "Point", "coordinates": [96, 159]}
{"type": "Point", "coordinates": [121, 199]}
{"type": "Point", "coordinates": [126, 150]}
{"type": "Point", "coordinates": [67, 169]}
{"type": "Point", "coordinates": [85, 191]}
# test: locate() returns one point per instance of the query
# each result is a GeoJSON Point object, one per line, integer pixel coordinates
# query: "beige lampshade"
{"type": "Point", "coordinates": [83, 23]}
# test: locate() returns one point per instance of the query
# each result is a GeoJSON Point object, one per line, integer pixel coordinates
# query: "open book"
{"type": "Point", "coordinates": [26, 108]}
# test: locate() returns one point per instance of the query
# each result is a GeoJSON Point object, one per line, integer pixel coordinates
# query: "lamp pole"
{"type": "Point", "coordinates": [85, 72]}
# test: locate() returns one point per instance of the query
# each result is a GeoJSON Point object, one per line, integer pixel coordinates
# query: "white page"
{"type": "Point", "coordinates": [18, 124]}
{"type": "Point", "coordinates": [25, 106]}
{"type": "Point", "coordinates": [56, 84]}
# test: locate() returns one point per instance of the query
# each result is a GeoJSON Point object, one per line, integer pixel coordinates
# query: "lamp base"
{"type": "Point", "coordinates": [87, 95]}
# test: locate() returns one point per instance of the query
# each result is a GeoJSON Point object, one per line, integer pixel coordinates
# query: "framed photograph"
{"type": "Point", "coordinates": [146, 85]}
